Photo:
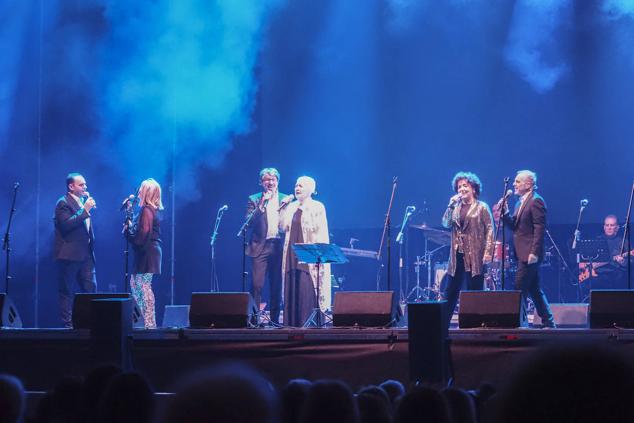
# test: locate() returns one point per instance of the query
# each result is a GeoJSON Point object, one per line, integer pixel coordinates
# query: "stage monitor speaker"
{"type": "Point", "coordinates": [427, 330]}
{"type": "Point", "coordinates": [81, 308]}
{"type": "Point", "coordinates": [363, 308]}
{"type": "Point", "coordinates": [569, 315]}
{"type": "Point", "coordinates": [611, 308]}
{"type": "Point", "coordinates": [9, 316]}
{"type": "Point", "coordinates": [490, 309]}
{"type": "Point", "coordinates": [219, 310]}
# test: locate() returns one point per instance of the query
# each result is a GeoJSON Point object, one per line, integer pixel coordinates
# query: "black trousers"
{"type": "Point", "coordinates": [269, 262]}
{"type": "Point", "coordinates": [527, 281]}
{"type": "Point", "coordinates": [455, 283]}
{"type": "Point", "coordinates": [69, 272]}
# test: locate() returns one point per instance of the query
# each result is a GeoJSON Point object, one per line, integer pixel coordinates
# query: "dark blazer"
{"type": "Point", "coordinates": [259, 225]}
{"type": "Point", "coordinates": [529, 227]}
{"type": "Point", "coordinates": [72, 240]}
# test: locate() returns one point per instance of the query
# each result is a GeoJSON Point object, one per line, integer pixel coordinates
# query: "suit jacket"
{"type": "Point", "coordinates": [73, 241]}
{"type": "Point", "coordinates": [529, 227]}
{"type": "Point", "coordinates": [259, 225]}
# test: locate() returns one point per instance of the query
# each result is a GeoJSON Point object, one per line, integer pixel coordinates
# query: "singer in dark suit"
{"type": "Point", "coordinates": [265, 243]}
{"type": "Point", "coordinates": [529, 227]}
{"type": "Point", "coordinates": [74, 240]}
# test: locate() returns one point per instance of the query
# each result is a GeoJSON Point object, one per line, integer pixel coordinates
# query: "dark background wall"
{"type": "Point", "coordinates": [202, 95]}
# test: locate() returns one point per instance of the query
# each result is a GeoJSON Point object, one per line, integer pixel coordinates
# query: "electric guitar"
{"type": "Point", "coordinates": [588, 270]}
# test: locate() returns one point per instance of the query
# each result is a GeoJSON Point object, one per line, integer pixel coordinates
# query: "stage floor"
{"type": "Point", "coordinates": [359, 356]}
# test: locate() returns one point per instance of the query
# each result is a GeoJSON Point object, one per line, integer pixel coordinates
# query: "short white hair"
{"type": "Point", "coordinates": [530, 175]}
{"type": "Point", "coordinates": [308, 183]}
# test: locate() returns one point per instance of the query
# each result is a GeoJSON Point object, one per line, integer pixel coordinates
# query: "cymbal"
{"type": "Point", "coordinates": [439, 236]}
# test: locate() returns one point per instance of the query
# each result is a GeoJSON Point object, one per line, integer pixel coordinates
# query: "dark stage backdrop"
{"type": "Point", "coordinates": [202, 95]}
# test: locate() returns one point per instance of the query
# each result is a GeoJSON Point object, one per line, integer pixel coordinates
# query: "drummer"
{"type": "Point", "coordinates": [471, 226]}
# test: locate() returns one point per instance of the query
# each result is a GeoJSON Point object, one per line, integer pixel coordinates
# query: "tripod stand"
{"type": "Point", "coordinates": [429, 292]}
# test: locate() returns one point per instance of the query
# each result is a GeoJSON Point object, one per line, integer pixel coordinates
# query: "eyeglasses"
{"type": "Point", "coordinates": [610, 225]}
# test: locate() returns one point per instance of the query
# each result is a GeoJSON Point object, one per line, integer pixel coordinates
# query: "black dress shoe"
{"type": "Point", "coordinates": [549, 324]}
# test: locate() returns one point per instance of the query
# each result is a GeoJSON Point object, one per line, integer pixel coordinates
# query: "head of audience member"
{"type": "Point", "coordinates": [128, 398]}
{"type": "Point", "coordinates": [394, 390]}
{"type": "Point", "coordinates": [610, 226]}
{"type": "Point", "coordinates": [150, 194]}
{"type": "Point", "coordinates": [292, 398]}
{"type": "Point", "coordinates": [269, 179]}
{"type": "Point", "coordinates": [226, 393]}
{"type": "Point", "coordinates": [468, 185]}
{"type": "Point", "coordinates": [461, 405]}
{"type": "Point", "coordinates": [65, 399]}
{"type": "Point", "coordinates": [374, 405]}
{"type": "Point", "coordinates": [95, 383]}
{"type": "Point", "coordinates": [577, 383]}
{"type": "Point", "coordinates": [422, 404]}
{"type": "Point", "coordinates": [525, 181]}
{"type": "Point", "coordinates": [329, 401]}
{"type": "Point", "coordinates": [305, 187]}
{"type": "Point", "coordinates": [76, 184]}
{"type": "Point", "coordinates": [12, 399]}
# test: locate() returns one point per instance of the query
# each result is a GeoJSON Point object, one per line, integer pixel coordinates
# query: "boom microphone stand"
{"type": "Point", "coordinates": [243, 233]}
{"type": "Point", "coordinates": [502, 210]}
{"type": "Point", "coordinates": [6, 244]}
{"type": "Point", "coordinates": [399, 239]}
{"type": "Point", "coordinates": [214, 277]}
{"type": "Point", "coordinates": [384, 236]}
{"type": "Point", "coordinates": [628, 235]}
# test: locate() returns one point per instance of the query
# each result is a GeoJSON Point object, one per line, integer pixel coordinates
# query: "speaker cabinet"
{"type": "Point", "coordinates": [428, 350]}
{"type": "Point", "coordinates": [9, 316]}
{"type": "Point", "coordinates": [491, 309]}
{"type": "Point", "coordinates": [210, 310]}
{"type": "Point", "coordinates": [369, 309]}
{"type": "Point", "coordinates": [611, 308]}
{"type": "Point", "coordinates": [81, 308]}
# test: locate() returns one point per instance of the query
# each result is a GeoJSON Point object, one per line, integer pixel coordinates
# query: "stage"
{"type": "Point", "coordinates": [40, 357]}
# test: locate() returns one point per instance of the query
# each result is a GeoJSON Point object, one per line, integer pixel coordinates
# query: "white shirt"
{"type": "Point", "coordinates": [273, 217]}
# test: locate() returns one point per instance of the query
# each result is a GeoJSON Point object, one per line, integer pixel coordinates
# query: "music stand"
{"type": "Point", "coordinates": [318, 254]}
{"type": "Point", "coordinates": [594, 250]}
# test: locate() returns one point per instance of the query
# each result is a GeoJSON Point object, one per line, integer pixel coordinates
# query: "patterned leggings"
{"type": "Point", "coordinates": [141, 284]}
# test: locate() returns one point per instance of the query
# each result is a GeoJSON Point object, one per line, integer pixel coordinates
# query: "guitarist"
{"type": "Point", "coordinates": [611, 275]}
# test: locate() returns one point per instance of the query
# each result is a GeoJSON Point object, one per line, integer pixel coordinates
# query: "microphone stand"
{"type": "Point", "coordinates": [386, 236]}
{"type": "Point", "coordinates": [577, 235]}
{"type": "Point", "coordinates": [6, 244]}
{"type": "Point", "coordinates": [243, 233]}
{"type": "Point", "coordinates": [127, 223]}
{"type": "Point", "coordinates": [627, 235]}
{"type": "Point", "coordinates": [399, 239]}
{"type": "Point", "coordinates": [214, 277]}
{"type": "Point", "coordinates": [500, 226]}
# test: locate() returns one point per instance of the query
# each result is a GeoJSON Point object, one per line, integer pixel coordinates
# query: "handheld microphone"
{"type": "Point", "coordinates": [286, 201]}
{"type": "Point", "coordinates": [87, 196]}
{"type": "Point", "coordinates": [126, 202]}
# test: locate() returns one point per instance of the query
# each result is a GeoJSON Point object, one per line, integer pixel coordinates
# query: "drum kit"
{"type": "Point", "coordinates": [435, 286]}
